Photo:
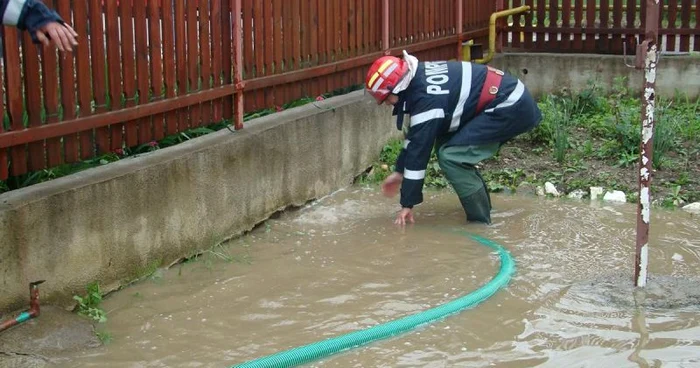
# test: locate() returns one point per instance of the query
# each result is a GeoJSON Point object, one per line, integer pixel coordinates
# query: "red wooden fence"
{"type": "Point", "coordinates": [600, 26]}
{"type": "Point", "coordinates": [147, 69]}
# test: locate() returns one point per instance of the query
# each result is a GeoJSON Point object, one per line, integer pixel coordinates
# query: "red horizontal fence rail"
{"type": "Point", "coordinates": [599, 26]}
{"type": "Point", "coordinates": [149, 69]}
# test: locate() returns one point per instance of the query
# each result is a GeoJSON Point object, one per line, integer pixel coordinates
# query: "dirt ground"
{"type": "Point", "coordinates": [525, 163]}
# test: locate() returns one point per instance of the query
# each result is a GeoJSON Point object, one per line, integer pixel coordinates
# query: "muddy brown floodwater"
{"type": "Point", "coordinates": [340, 265]}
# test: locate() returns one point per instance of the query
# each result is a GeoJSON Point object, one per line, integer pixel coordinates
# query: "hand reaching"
{"type": "Point", "coordinates": [404, 216]}
{"type": "Point", "coordinates": [62, 35]}
{"type": "Point", "coordinates": [392, 184]}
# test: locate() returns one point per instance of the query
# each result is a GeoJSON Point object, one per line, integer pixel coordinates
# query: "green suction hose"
{"type": "Point", "coordinates": [335, 345]}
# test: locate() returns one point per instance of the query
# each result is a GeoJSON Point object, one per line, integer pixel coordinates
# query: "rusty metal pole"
{"type": "Point", "coordinates": [458, 27]}
{"type": "Point", "coordinates": [651, 56]}
{"type": "Point", "coordinates": [238, 64]}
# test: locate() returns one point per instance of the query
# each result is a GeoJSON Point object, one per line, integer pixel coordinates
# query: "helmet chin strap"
{"type": "Point", "coordinates": [400, 106]}
{"type": "Point", "coordinates": [399, 111]}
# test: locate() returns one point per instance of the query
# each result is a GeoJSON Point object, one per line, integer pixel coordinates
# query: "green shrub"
{"type": "Point", "coordinates": [545, 131]}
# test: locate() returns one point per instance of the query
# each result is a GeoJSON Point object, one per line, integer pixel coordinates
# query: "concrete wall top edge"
{"type": "Point", "coordinates": [23, 196]}
{"type": "Point", "coordinates": [674, 56]}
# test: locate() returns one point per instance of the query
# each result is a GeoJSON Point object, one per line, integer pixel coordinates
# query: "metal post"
{"type": "Point", "coordinates": [238, 64]}
{"type": "Point", "coordinates": [385, 26]}
{"type": "Point", "coordinates": [647, 144]}
{"type": "Point", "coordinates": [458, 27]}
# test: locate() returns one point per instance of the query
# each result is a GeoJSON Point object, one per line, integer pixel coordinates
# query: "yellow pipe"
{"type": "Point", "coordinates": [492, 30]}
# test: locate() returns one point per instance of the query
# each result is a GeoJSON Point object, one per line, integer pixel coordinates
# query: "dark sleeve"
{"type": "Point", "coordinates": [413, 160]}
{"type": "Point", "coordinates": [29, 15]}
{"type": "Point", "coordinates": [401, 159]}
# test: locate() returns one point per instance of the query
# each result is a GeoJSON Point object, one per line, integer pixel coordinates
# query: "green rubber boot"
{"type": "Point", "coordinates": [477, 207]}
{"type": "Point", "coordinates": [458, 163]}
{"type": "Point", "coordinates": [486, 188]}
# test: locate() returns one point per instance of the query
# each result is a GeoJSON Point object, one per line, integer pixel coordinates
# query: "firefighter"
{"type": "Point", "coordinates": [44, 25]}
{"type": "Point", "coordinates": [464, 111]}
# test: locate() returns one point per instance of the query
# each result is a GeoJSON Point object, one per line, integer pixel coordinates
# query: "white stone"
{"type": "Point", "coordinates": [549, 188]}
{"type": "Point", "coordinates": [677, 257]}
{"type": "Point", "coordinates": [615, 196]}
{"type": "Point", "coordinates": [693, 208]}
{"type": "Point", "coordinates": [540, 191]}
{"type": "Point", "coordinates": [577, 194]}
{"type": "Point", "coordinates": [596, 192]}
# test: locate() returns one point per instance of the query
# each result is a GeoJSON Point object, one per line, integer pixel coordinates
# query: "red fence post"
{"type": "Point", "coordinates": [500, 5]}
{"type": "Point", "coordinates": [385, 26]}
{"type": "Point", "coordinates": [458, 27]}
{"type": "Point", "coordinates": [238, 65]}
{"type": "Point", "coordinates": [4, 162]}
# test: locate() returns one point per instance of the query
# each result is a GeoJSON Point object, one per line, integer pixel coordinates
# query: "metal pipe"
{"type": "Point", "coordinates": [651, 56]}
{"type": "Point", "coordinates": [492, 30]}
{"type": "Point", "coordinates": [34, 308]}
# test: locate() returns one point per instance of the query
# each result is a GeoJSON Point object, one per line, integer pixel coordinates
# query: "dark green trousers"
{"type": "Point", "coordinates": [458, 163]}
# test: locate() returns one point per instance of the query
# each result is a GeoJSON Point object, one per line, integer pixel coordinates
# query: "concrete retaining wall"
{"type": "Point", "coordinates": [112, 223]}
{"type": "Point", "coordinates": [547, 73]}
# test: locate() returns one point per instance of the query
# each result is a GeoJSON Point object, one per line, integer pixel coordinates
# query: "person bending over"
{"type": "Point", "coordinates": [465, 111]}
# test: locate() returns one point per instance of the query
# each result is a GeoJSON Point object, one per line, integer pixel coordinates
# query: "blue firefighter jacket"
{"type": "Point", "coordinates": [27, 15]}
{"type": "Point", "coordinates": [441, 101]}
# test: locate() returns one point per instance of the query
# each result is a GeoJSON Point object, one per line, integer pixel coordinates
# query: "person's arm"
{"type": "Point", "coordinates": [43, 24]}
{"type": "Point", "coordinates": [413, 162]}
{"type": "Point", "coordinates": [411, 165]}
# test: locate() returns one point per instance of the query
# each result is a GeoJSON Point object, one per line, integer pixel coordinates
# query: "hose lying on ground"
{"type": "Point", "coordinates": [335, 345]}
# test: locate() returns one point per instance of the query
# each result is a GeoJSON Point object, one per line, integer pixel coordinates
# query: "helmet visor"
{"type": "Point", "coordinates": [379, 95]}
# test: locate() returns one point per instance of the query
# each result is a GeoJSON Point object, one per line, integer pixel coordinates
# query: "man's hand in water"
{"type": "Point", "coordinates": [404, 216]}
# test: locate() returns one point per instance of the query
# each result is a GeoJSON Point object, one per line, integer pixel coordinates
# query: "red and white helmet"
{"type": "Point", "coordinates": [384, 74]}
